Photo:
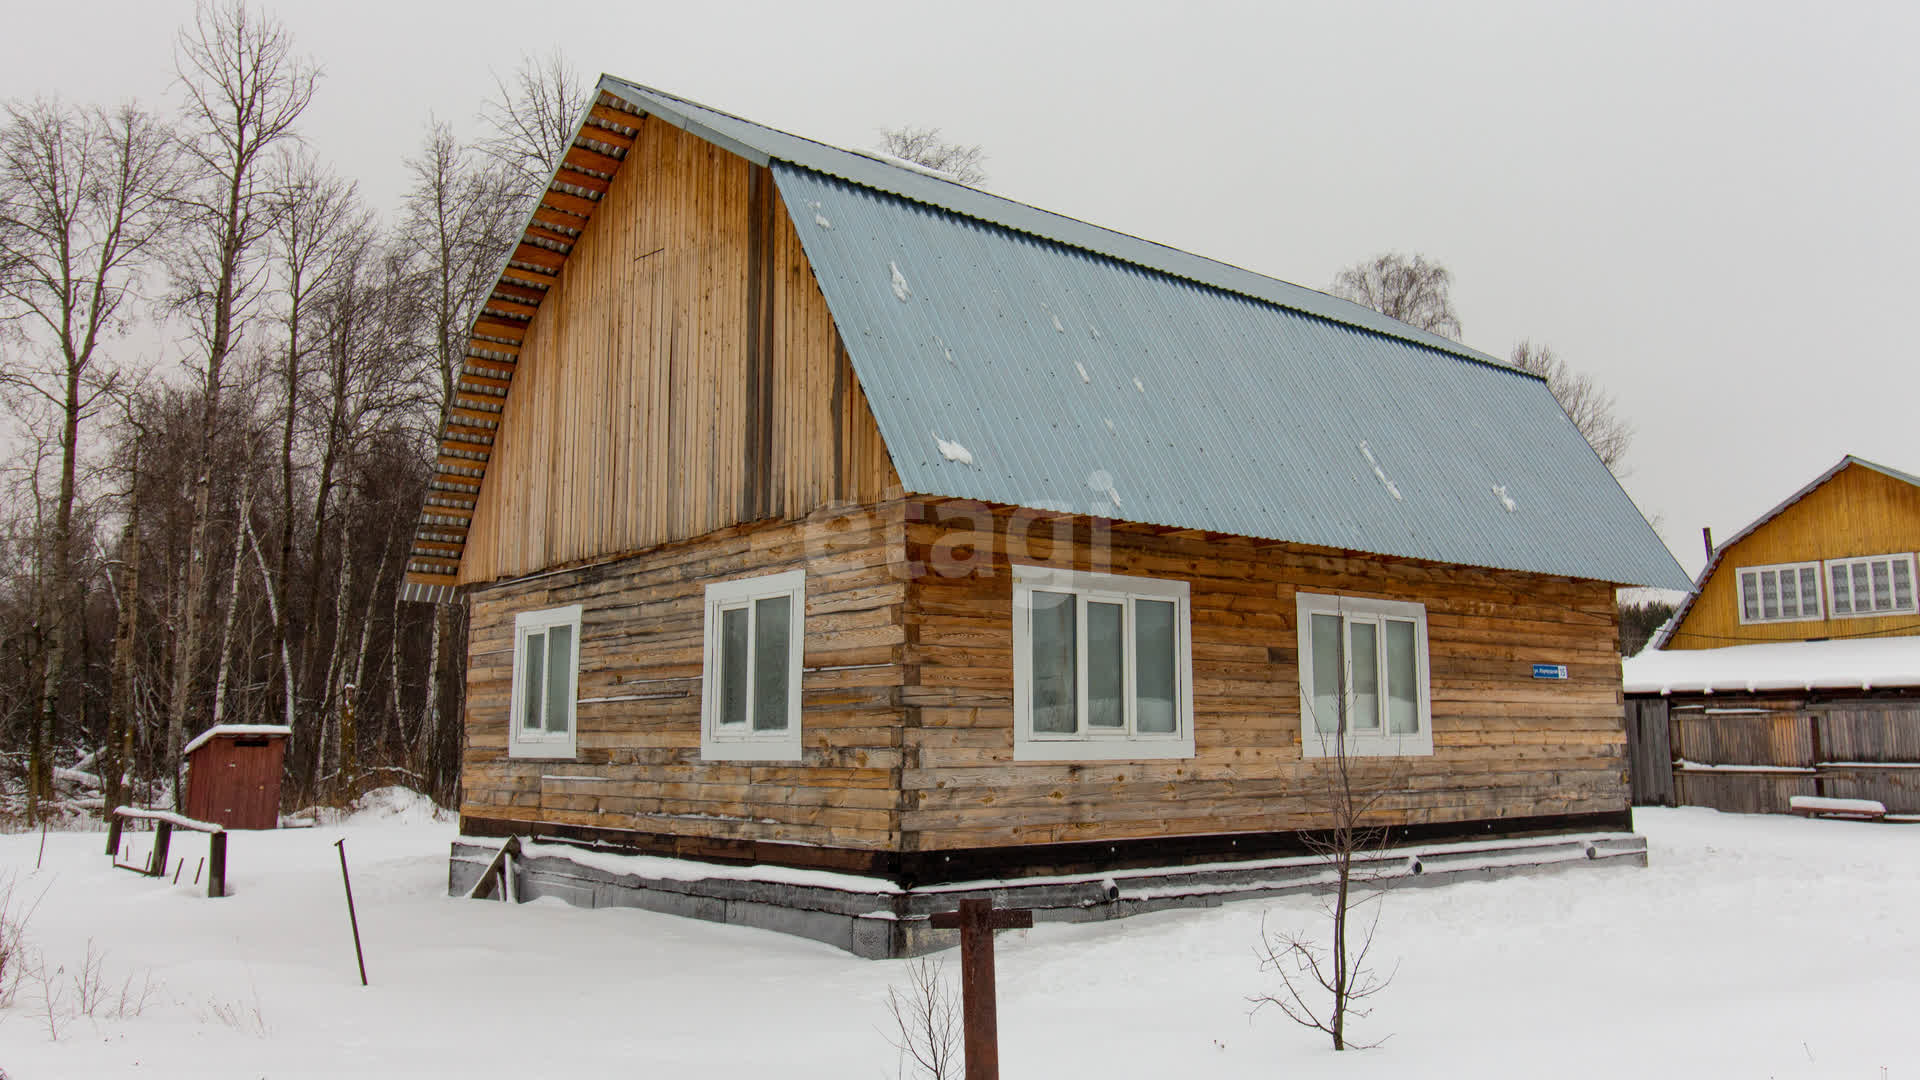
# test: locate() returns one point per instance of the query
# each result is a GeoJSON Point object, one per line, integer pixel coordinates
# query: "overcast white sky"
{"type": "Point", "coordinates": [1712, 208]}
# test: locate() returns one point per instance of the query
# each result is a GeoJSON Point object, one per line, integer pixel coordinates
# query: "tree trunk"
{"type": "Point", "coordinates": [241, 523]}
{"type": "Point", "coordinates": [120, 721]}
{"type": "Point", "coordinates": [286, 658]}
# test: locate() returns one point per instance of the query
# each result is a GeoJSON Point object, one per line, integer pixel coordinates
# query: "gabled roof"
{"type": "Point", "coordinates": [1017, 356]}
{"type": "Point", "coordinates": [1713, 563]}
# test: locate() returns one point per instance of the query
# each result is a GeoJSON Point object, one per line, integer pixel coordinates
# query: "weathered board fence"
{"type": "Point", "coordinates": [1752, 753]}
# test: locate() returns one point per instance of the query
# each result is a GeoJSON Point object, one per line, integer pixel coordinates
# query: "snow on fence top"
{"type": "Point", "coordinates": [176, 820]}
{"type": "Point", "coordinates": [1860, 664]}
{"type": "Point", "coordinates": [230, 730]}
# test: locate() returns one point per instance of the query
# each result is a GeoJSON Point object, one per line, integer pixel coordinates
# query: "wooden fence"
{"type": "Point", "coordinates": [1751, 753]}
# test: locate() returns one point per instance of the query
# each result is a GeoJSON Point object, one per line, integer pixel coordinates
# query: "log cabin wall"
{"type": "Point", "coordinates": [1505, 745]}
{"type": "Point", "coordinates": [1860, 511]}
{"type": "Point", "coordinates": [682, 375]}
{"type": "Point", "coordinates": [638, 766]}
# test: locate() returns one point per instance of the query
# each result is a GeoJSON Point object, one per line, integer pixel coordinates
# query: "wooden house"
{"type": "Point", "coordinates": [1793, 668]}
{"type": "Point", "coordinates": [818, 511]}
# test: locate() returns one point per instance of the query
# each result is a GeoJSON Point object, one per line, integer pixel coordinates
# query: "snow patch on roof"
{"type": "Point", "coordinates": [1379, 473]}
{"type": "Point", "coordinates": [953, 451]}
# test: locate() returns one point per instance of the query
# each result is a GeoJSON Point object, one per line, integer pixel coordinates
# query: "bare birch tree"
{"type": "Point", "coordinates": [316, 226]}
{"type": "Point", "coordinates": [460, 224]}
{"type": "Point", "coordinates": [1591, 408]}
{"type": "Point", "coordinates": [86, 199]}
{"type": "Point", "coordinates": [1412, 289]}
{"type": "Point", "coordinates": [531, 120]}
{"type": "Point", "coordinates": [244, 90]}
{"type": "Point", "coordinates": [924, 146]}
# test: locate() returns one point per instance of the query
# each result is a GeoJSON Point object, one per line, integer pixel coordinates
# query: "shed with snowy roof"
{"type": "Point", "coordinates": [233, 775]}
{"type": "Point", "coordinates": [816, 511]}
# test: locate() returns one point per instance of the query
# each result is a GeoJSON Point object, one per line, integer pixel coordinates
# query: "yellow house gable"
{"type": "Point", "coordinates": [1838, 559]}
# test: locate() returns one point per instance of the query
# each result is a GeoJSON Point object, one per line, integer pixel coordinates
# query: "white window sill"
{"type": "Point", "coordinates": [1316, 746]}
{"type": "Point", "coordinates": [1102, 749]}
{"type": "Point", "coordinates": [784, 749]}
{"type": "Point", "coordinates": [540, 751]}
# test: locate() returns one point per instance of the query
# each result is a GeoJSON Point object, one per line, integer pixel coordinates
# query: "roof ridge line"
{"type": "Point", "coordinates": [1413, 335]}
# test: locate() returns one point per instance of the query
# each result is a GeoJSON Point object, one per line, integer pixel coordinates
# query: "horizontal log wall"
{"type": "Point", "coordinates": [1505, 744]}
{"type": "Point", "coordinates": [682, 375]}
{"type": "Point", "coordinates": [638, 765]}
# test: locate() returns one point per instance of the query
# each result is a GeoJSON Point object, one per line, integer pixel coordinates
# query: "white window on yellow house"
{"type": "Point", "coordinates": [1787, 592]}
{"type": "Point", "coordinates": [1874, 585]}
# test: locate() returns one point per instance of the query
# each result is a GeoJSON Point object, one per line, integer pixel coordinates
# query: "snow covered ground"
{"type": "Point", "coordinates": [1752, 947]}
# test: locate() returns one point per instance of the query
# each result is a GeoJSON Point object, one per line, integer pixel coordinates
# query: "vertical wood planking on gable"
{"type": "Point", "coordinates": [680, 376]}
{"type": "Point", "coordinates": [1859, 511]}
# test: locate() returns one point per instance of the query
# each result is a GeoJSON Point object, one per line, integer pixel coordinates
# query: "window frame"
{"type": "Point", "coordinates": [1382, 743]}
{"type": "Point", "coordinates": [1123, 743]}
{"type": "Point", "coordinates": [544, 744]}
{"type": "Point", "coordinates": [1828, 566]}
{"type": "Point", "coordinates": [1819, 598]}
{"type": "Point", "coordinates": [723, 743]}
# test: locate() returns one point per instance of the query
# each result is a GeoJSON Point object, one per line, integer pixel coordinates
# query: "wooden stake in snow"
{"type": "Point", "coordinates": [976, 920]}
{"type": "Point", "coordinates": [43, 846]}
{"type": "Point", "coordinates": [352, 919]}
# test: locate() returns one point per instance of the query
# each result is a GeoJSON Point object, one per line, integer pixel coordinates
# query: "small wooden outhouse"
{"type": "Point", "coordinates": [233, 775]}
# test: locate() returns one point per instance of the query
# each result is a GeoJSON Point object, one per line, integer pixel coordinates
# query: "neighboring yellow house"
{"type": "Point", "coordinates": [1836, 560]}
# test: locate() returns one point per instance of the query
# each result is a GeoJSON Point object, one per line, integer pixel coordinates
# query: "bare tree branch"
{"type": "Point", "coordinates": [924, 147]}
{"type": "Point", "coordinates": [1411, 289]}
{"type": "Point", "coordinates": [1591, 408]}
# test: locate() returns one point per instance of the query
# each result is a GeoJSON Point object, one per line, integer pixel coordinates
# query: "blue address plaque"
{"type": "Point", "coordinates": [1549, 671]}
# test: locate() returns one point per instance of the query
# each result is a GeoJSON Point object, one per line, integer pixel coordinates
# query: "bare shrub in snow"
{"type": "Point", "coordinates": [15, 956]}
{"type": "Point", "coordinates": [1325, 981]}
{"type": "Point", "coordinates": [240, 1015]}
{"type": "Point", "coordinates": [926, 1021]}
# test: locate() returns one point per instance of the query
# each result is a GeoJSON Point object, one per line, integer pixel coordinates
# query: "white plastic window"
{"type": "Point", "coordinates": [750, 696]}
{"type": "Point", "coordinates": [1789, 592]}
{"type": "Point", "coordinates": [1103, 667]}
{"type": "Point", "coordinates": [1363, 677]}
{"type": "Point", "coordinates": [546, 681]}
{"type": "Point", "coordinates": [1875, 585]}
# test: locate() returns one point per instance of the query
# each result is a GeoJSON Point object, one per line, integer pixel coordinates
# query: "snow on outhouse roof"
{"type": "Point", "coordinates": [1014, 355]}
{"type": "Point", "coordinates": [1087, 370]}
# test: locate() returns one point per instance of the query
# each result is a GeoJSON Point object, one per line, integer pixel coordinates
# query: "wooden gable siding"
{"type": "Point", "coordinates": [682, 375]}
{"type": "Point", "coordinates": [1859, 511]}
{"type": "Point", "coordinates": [1505, 745]}
{"type": "Point", "coordinates": [638, 764]}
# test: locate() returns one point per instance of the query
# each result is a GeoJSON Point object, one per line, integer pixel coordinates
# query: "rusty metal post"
{"type": "Point", "coordinates": [353, 919]}
{"type": "Point", "coordinates": [216, 873]}
{"type": "Point", "coordinates": [976, 920]}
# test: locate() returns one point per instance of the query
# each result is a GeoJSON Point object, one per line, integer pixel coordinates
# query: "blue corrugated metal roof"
{"type": "Point", "coordinates": [1079, 378]}
{"type": "Point", "coordinates": [761, 144]}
